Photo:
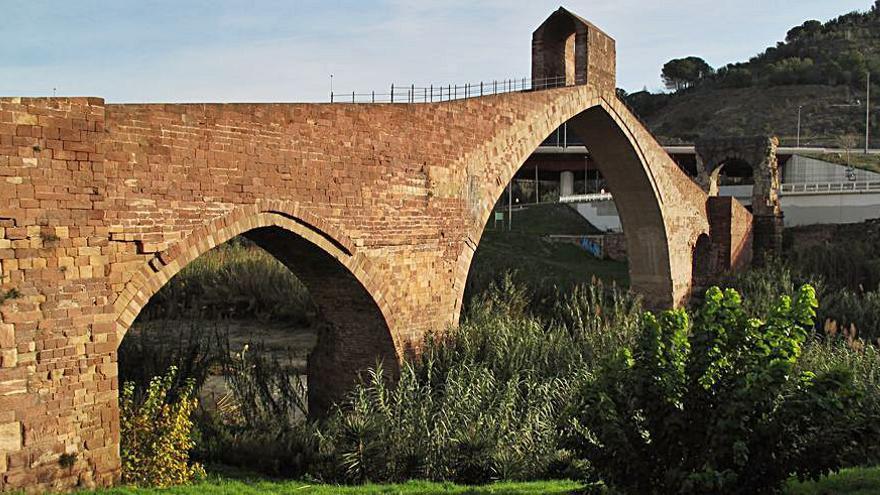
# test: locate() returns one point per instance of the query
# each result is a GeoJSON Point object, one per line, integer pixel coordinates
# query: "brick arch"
{"type": "Point", "coordinates": [663, 211]}
{"type": "Point", "coordinates": [723, 165]}
{"type": "Point", "coordinates": [326, 261]}
{"type": "Point", "coordinates": [759, 152]}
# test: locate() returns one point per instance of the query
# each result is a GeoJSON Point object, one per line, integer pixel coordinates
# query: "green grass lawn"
{"type": "Point", "coordinates": [541, 262]}
{"type": "Point", "coordinates": [221, 486]}
{"type": "Point", "coordinates": [859, 481]}
{"type": "Point", "coordinates": [537, 261]}
{"type": "Point", "coordinates": [547, 218]}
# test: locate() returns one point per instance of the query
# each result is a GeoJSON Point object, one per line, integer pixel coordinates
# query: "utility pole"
{"type": "Point", "coordinates": [868, 114]}
{"type": "Point", "coordinates": [800, 107]}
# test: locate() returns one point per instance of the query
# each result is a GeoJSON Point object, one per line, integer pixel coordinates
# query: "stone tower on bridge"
{"type": "Point", "coordinates": [567, 50]}
{"type": "Point", "coordinates": [377, 208]}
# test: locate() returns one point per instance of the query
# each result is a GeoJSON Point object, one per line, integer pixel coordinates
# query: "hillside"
{"type": "Point", "coordinates": [531, 258]}
{"type": "Point", "coordinates": [819, 67]}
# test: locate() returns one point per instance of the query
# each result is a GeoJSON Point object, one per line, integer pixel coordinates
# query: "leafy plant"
{"type": "Point", "coordinates": [717, 406]}
{"type": "Point", "coordinates": [156, 434]}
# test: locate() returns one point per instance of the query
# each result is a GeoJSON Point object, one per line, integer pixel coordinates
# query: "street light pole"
{"type": "Point", "coordinates": [796, 161]}
{"type": "Point", "coordinates": [799, 126]}
{"type": "Point", "coordinates": [868, 114]}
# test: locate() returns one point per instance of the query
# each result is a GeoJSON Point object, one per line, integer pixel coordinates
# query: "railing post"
{"type": "Point", "coordinates": [425, 94]}
{"type": "Point", "coordinates": [352, 96]}
{"type": "Point", "coordinates": [412, 92]}
{"type": "Point", "coordinates": [392, 93]}
{"type": "Point", "coordinates": [481, 88]}
{"type": "Point", "coordinates": [432, 93]}
{"type": "Point", "coordinates": [373, 99]}
{"type": "Point", "coordinates": [456, 91]}
{"type": "Point", "coordinates": [495, 87]}
{"type": "Point", "coordinates": [331, 97]}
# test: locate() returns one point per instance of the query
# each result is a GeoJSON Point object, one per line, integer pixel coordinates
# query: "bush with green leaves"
{"type": "Point", "coordinates": [717, 405]}
{"type": "Point", "coordinates": [156, 434]}
{"type": "Point", "coordinates": [761, 287]}
{"type": "Point", "coordinates": [484, 400]}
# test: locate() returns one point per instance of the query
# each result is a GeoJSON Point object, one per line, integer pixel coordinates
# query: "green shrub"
{"type": "Point", "coordinates": [864, 362]}
{"type": "Point", "coordinates": [471, 427]}
{"type": "Point", "coordinates": [156, 434]}
{"type": "Point", "coordinates": [719, 406]}
{"type": "Point", "coordinates": [761, 287]}
{"type": "Point", "coordinates": [484, 400]}
{"type": "Point", "coordinates": [852, 308]}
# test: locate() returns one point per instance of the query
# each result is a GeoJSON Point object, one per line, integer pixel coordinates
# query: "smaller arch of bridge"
{"type": "Point", "coordinates": [759, 152]}
{"type": "Point", "coordinates": [340, 280]}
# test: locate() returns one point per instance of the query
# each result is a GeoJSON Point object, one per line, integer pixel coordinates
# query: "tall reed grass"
{"type": "Point", "coordinates": [234, 280]}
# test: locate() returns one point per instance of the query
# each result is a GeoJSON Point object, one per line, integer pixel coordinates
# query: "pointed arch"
{"type": "Point", "coordinates": [662, 210]}
{"type": "Point", "coordinates": [358, 326]}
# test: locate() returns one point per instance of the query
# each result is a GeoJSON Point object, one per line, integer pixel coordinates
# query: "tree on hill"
{"type": "Point", "coordinates": [683, 73]}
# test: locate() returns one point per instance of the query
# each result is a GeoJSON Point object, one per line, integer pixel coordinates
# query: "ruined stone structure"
{"type": "Point", "coordinates": [377, 208]}
{"type": "Point", "coordinates": [759, 154]}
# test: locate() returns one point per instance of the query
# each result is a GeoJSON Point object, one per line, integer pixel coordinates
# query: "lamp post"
{"type": "Point", "coordinates": [796, 160]}
{"type": "Point", "coordinates": [868, 114]}
{"type": "Point", "coordinates": [800, 107]}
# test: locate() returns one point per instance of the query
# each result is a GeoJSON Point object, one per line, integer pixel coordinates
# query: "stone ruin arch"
{"type": "Point", "coordinates": [759, 152]}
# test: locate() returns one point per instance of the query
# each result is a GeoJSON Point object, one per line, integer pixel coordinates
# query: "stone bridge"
{"type": "Point", "coordinates": [377, 208]}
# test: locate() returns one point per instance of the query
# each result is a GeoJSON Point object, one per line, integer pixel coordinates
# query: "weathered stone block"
{"type": "Point", "coordinates": [10, 437]}
{"type": "Point", "coordinates": [8, 358]}
{"type": "Point", "coordinates": [7, 336]}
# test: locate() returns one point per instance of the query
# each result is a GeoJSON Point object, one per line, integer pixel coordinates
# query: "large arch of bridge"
{"type": "Point", "coordinates": [604, 128]}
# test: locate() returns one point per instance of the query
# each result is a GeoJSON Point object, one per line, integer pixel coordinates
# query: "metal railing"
{"type": "Point", "coordinates": [830, 187]}
{"type": "Point", "coordinates": [585, 198]}
{"type": "Point", "coordinates": [449, 92]}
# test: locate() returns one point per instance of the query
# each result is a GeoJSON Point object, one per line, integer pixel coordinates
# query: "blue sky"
{"type": "Point", "coordinates": [233, 50]}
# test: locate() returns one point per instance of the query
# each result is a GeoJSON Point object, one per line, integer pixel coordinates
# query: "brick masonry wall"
{"type": "Point", "coordinates": [378, 208]}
